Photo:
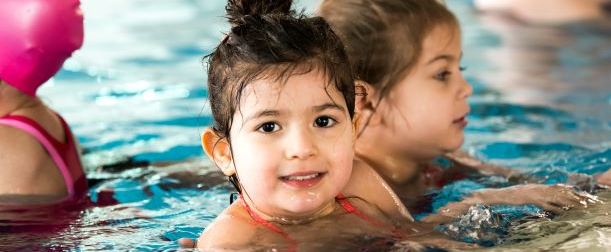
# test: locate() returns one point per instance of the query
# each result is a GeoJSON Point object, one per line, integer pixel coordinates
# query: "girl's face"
{"type": "Point", "coordinates": [426, 110]}
{"type": "Point", "coordinates": [292, 145]}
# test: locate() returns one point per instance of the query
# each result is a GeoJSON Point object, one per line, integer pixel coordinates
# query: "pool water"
{"type": "Point", "coordinates": [136, 92]}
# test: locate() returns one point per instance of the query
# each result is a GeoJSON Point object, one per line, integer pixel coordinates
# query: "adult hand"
{"type": "Point", "coordinates": [554, 198]}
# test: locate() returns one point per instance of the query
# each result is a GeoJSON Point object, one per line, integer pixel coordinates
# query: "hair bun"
{"type": "Point", "coordinates": [238, 9]}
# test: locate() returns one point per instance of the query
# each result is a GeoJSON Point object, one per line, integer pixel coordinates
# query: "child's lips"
{"type": "Point", "coordinates": [461, 121]}
{"type": "Point", "coordinates": [303, 180]}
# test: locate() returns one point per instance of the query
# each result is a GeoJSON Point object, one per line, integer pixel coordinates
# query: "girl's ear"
{"type": "Point", "coordinates": [364, 97]}
{"type": "Point", "coordinates": [219, 151]}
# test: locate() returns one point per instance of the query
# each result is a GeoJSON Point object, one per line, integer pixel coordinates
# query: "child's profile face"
{"type": "Point", "coordinates": [427, 108]}
{"type": "Point", "coordinates": [293, 144]}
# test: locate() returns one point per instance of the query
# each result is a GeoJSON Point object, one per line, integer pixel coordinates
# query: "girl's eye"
{"type": "Point", "coordinates": [269, 127]}
{"type": "Point", "coordinates": [443, 76]}
{"type": "Point", "coordinates": [324, 122]}
{"type": "Point", "coordinates": [462, 69]}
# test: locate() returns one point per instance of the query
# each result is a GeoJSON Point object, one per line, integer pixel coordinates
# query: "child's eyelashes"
{"type": "Point", "coordinates": [268, 127]}
{"type": "Point", "coordinates": [324, 122]}
{"type": "Point", "coordinates": [443, 75]}
{"type": "Point", "coordinates": [319, 122]}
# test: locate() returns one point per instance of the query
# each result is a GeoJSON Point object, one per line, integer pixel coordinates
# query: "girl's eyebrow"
{"type": "Point", "coordinates": [271, 112]}
{"type": "Point", "coordinates": [446, 57]}
{"type": "Point", "coordinates": [267, 112]}
{"type": "Point", "coordinates": [326, 106]}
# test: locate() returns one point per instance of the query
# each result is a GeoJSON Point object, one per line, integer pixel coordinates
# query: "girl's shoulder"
{"type": "Point", "coordinates": [19, 147]}
{"type": "Point", "coordinates": [232, 229]}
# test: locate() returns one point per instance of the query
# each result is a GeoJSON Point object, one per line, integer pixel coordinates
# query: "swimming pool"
{"type": "Point", "coordinates": [542, 103]}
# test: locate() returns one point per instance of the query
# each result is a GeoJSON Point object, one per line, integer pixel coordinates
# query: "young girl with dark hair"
{"type": "Point", "coordinates": [282, 97]}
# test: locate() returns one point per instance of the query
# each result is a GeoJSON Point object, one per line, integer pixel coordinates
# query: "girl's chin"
{"type": "Point", "coordinates": [451, 147]}
{"type": "Point", "coordinates": [306, 206]}
{"type": "Point", "coordinates": [456, 142]}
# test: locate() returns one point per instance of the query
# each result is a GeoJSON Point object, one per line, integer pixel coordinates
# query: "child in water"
{"type": "Point", "coordinates": [406, 55]}
{"type": "Point", "coordinates": [39, 159]}
{"type": "Point", "coordinates": [282, 98]}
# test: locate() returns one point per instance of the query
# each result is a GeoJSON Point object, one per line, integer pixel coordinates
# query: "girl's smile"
{"type": "Point", "coordinates": [302, 180]}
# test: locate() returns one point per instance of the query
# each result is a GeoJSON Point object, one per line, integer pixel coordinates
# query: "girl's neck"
{"type": "Point", "coordinates": [322, 212]}
{"type": "Point", "coordinates": [395, 166]}
{"type": "Point", "coordinates": [395, 169]}
{"type": "Point", "coordinates": [25, 104]}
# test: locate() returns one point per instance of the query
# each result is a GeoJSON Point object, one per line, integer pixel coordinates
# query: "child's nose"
{"type": "Point", "coordinates": [466, 89]}
{"type": "Point", "coordinates": [300, 145]}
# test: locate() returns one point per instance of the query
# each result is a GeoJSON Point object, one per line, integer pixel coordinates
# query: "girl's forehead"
{"type": "Point", "coordinates": [303, 90]}
{"type": "Point", "coordinates": [313, 83]}
{"type": "Point", "coordinates": [443, 34]}
{"type": "Point", "coordinates": [442, 39]}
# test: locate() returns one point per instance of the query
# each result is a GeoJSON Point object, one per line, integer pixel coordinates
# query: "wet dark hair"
{"type": "Point", "coordinates": [384, 38]}
{"type": "Point", "coordinates": [269, 41]}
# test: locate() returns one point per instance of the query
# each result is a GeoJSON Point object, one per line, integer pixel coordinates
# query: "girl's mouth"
{"type": "Point", "coordinates": [303, 180]}
{"type": "Point", "coordinates": [461, 121]}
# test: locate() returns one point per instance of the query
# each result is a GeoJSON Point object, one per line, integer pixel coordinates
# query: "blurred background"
{"type": "Point", "coordinates": [137, 87]}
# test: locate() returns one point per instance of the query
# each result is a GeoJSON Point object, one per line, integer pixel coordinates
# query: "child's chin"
{"type": "Point", "coordinates": [304, 206]}
{"type": "Point", "coordinates": [455, 144]}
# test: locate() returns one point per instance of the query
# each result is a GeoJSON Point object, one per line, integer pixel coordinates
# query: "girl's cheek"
{"type": "Point", "coordinates": [343, 153]}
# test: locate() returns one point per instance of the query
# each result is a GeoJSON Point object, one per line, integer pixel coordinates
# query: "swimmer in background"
{"type": "Point", "coordinates": [39, 156]}
{"type": "Point", "coordinates": [406, 55]}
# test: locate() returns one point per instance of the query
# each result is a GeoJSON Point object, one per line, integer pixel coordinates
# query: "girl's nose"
{"type": "Point", "coordinates": [466, 89]}
{"type": "Point", "coordinates": [300, 145]}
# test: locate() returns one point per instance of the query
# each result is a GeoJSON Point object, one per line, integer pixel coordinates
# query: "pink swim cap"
{"type": "Point", "coordinates": [36, 37]}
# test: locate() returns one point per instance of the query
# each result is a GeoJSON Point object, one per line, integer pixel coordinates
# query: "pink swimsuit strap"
{"type": "Point", "coordinates": [52, 145]}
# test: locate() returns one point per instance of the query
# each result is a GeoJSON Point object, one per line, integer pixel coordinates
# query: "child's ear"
{"type": "Point", "coordinates": [364, 97]}
{"type": "Point", "coordinates": [219, 151]}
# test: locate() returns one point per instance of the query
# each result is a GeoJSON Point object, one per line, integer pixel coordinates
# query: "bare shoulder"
{"type": "Point", "coordinates": [367, 184]}
{"type": "Point", "coordinates": [232, 229]}
{"type": "Point", "coordinates": [18, 147]}
{"type": "Point", "coordinates": [25, 166]}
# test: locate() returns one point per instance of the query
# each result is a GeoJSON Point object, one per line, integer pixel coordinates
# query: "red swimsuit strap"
{"type": "Point", "coordinates": [341, 199]}
{"type": "Point", "coordinates": [269, 225]}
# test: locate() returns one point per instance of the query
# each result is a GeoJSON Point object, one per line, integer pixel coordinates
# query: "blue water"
{"type": "Point", "coordinates": [136, 91]}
